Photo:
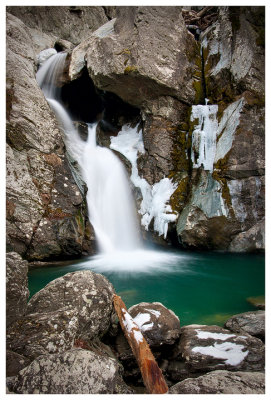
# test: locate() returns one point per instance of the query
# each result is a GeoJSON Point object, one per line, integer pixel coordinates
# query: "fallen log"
{"type": "Point", "coordinates": [152, 375]}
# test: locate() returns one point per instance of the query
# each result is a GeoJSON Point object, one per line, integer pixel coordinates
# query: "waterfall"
{"type": "Point", "coordinates": [111, 206]}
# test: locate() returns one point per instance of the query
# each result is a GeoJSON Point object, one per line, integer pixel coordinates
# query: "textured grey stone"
{"type": "Point", "coordinates": [252, 322]}
{"type": "Point", "coordinates": [75, 371]}
{"type": "Point", "coordinates": [84, 292]}
{"type": "Point", "coordinates": [222, 382]}
{"type": "Point", "coordinates": [42, 333]}
{"type": "Point", "coordinates": [145, 54]}
{"type": "Point", "coordinates": [17, 292]}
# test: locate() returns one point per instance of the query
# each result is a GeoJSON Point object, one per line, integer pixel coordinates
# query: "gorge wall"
{"type": "Point", "coordinates": [141, 65]}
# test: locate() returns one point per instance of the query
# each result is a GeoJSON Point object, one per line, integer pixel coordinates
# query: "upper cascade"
{"type": "Point", "coordinates": [110, 204]}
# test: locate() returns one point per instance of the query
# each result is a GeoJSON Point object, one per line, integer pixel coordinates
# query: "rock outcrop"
{"type": "Point", "coordinates": [220, 206]}
{"type": "Point", "coordinates": [46, 212]}
{"type": "Point", "coordinates": [222, 382]}
{"type": "Point", "coordinates": [233, 53]}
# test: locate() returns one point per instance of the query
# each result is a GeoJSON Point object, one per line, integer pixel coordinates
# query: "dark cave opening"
{"type": "Point", "coordinates": [88, 104]}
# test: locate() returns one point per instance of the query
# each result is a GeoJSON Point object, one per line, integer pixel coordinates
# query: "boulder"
{"type": "Point", "coordinates": [252, 322]}
{"type": "Point", "coordinates": [85, 293]}
{"type": "Point", "coordinates": [76, 371]}
{"type": "Point", "coordinates": [159, 325]}
{"type": "Point", "coordinates": [207, 348]}
{"type": "Point", "coordinates": [17, 292]}
{"type": "Point", "coordinates": [15, 362]}
{"type": "Point", "coordinates": [222, 382]}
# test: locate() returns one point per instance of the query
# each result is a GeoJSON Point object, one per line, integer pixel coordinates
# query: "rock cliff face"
{"type": "Point", "coordinates": [46, 212]}
{"type": "Point", "coordinates": [147, 58]}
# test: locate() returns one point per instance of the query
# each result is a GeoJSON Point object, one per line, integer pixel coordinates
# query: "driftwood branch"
{"type": "Point", "coordinates": [152, 375]}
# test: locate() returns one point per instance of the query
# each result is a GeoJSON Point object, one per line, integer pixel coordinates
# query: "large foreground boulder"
{"type": "Point", "coordinates": [76, 371]}
{"type": "Point", "coordinates": [84, 292]}
{"type": "Point", "coordinates": [17, 292]}
{"type": "Point", "coordinates": [222, 382]}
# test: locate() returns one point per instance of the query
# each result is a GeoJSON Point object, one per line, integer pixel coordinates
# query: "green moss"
{"type": "Point", "coordinates": [199, 95]}
{"type": "Point", "coordinates": [219, 167]}
{"type": "Point", "coordinates": [178, 199]}
{"type": "Point", "coordinates": [131, 69]}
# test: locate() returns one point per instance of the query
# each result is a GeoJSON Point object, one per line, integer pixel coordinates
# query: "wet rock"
{"type": "Point", "coordinates": [222, 382]}
{"type": "Point", "coordinates": [207, 348]}
{"type": "Point", "coordinates": [252, 322]}
{"type": "Point", "coordinates": [75, 371]}
{"type": "Point", "coordinates": [159, 325]}
{"type": "Point", "coordinates": [85, 293]}
{"type": "Point", "coordinates": [15, 362]}
{"type": "Point", "coordinates": [42, 333]}
{"type": "Point", "coordinates": [17, 292]}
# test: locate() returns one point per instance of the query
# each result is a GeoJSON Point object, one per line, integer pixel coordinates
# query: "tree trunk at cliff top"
{"type": "Point", "coordinates": [152, 376]}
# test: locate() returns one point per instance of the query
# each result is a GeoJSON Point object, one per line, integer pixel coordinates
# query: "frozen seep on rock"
{"type": "Point", "coordinates": [155, 198]}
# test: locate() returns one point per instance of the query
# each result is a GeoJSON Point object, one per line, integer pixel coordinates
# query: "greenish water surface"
{"type": "Point", "coordinates": [201, 288]}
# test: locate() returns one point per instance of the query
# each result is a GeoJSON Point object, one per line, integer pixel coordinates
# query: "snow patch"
{"type": "Point", "coordinates": [231, 353]}
{"type": "Point", "coordinates": [213, 335]}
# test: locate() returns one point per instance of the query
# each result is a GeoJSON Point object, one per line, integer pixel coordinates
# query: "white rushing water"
{"type": "Point", "coordinates": [111, 206]}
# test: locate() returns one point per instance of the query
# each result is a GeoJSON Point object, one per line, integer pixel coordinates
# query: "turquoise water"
{"type": "Point", "coordinates": [201, 288]}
